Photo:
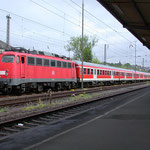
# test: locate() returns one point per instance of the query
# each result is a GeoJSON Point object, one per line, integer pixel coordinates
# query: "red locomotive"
{"type": "Point", "coordinates": [23, 70]}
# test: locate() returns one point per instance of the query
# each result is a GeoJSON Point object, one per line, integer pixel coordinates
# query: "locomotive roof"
{"type": "Point", "coordinates": [38, 53]}
{"type": "Point", "coordinates": [107, 67]}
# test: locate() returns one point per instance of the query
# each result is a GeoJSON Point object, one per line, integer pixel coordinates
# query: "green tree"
{"type": "Point", "coordinates": [127, 65]}
{"type": "Point", "coordinates": [75, 45]}
{"type": "Point", "coordinates": [96, 60]}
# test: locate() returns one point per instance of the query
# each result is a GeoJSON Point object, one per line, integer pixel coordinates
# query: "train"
{"type": "Point", "coordinates": [22, 70]}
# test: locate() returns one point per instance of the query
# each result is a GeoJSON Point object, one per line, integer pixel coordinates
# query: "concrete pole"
{"type": "Point", "coordinates": [135, 59]}
{"type": "Point", "coordinates": [8, 32]}
{"type": "Point", "coordinates": [104, 54]}
{"type": "Point", "coordinates": [82, 41]}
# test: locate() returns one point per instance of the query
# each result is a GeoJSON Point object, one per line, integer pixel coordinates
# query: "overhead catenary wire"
{"type": "Point", "coordinates": [56, 30]}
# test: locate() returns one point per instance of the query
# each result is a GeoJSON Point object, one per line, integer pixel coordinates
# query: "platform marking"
{"type": "Point", "coordinates": [83, 124]}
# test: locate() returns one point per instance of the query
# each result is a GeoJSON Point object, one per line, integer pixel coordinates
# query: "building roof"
{"type": "Point", "coordinates": [133, 15]}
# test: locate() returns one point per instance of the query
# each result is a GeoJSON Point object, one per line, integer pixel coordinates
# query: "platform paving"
{"type": "Point", "coordinates": [125, 127]}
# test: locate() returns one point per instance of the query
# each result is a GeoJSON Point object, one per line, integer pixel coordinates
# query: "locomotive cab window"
{"type": "Point", "coordinates": [8, 58]}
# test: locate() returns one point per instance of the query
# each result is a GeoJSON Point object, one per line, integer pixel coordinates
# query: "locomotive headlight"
{"type": "Point", "coordinates": [6, 74]}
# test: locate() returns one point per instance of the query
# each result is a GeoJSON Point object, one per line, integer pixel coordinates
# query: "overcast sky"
{"type": "Point", "coordinates": [47, 25]}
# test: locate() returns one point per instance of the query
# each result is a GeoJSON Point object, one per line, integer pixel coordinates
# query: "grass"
{"type": "Point", "coordinates": [4, 109]}
{"type": "Point", "coordinates": [81, 96]}
{"type": "Point", "coordinates": [41, 105]}
{"type": "Point", "coordinates": [37, 106]}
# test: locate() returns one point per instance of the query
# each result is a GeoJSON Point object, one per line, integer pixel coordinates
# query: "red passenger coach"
{"type": "Point", "coordinates": [39, 70]}
{"type": "Point", "coordinates": [97, 73]}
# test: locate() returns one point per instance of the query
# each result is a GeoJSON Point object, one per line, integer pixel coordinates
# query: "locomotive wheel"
{"type": "Point", "coordinates": [40, 88]}
{"type": "Point", "coordinates": [69, 86]}
{"type": "Point", "coordinates": [59, 86]}
{"type": "Point", "coordinates": [7, 90]}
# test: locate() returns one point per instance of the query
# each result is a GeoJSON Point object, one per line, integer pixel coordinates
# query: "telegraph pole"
{"type": "Point", "coordinates": [8, 31]}
{"type": "Point", "coordinates": [82, 40]}
{"type": "Point", "coordinates": [104, 54]}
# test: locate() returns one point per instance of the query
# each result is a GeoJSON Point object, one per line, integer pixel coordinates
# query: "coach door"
{"type": "Point", "coordinates": [95, 74]}
{"type": "Point", "coordinates": [22, 66]}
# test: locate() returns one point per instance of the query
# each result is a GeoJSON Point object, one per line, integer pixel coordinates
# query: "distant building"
{"type": "Point", "coordinates": [3, 45]}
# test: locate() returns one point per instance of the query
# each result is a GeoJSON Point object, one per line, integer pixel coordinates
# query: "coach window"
{"type": "Point", "coordinates": [91, 71]}
{"type": "Point", "coordinates": [39, 61]}
{"type": "Point", "coordinates": [101, 72]}
{"type": "Point", "coordinates": [84, 70]}
{"type": "Point", "coordinates": [53, 64]}
{"type": "Point", "coordinates": [69, 65]}
{"type": "Point", "coordinates": [104, 72]}
{"type": "Point", "coordinates": [97, 72]}
{"type": "Point", "coordinates": [64, 65]}
{"type": "Point", "coordinates": [59, 64]}
{"type": "Point", "coordinates": [31, 61]}
{"type": "Point", "coordinates": [18, 60]}
{"type": "Point", "coordinates": [88, 71]}
{"type": "Point", "coordinates": [46, 62]}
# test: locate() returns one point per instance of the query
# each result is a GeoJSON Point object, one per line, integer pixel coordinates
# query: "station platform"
{"type": "Point", "coordinates": [124, 127]}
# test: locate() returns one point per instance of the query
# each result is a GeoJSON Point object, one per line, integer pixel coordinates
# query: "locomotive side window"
{"type": "Point", "coordinates": [31, 61]}
{"type": "Point", "coordinates": [69, 65]}
{"type": "Point", "coordinates": [64, 65]}
{"type": "Point", "coordinates": [53, 64]}
{"type": "Point", "coordinates": [46, 62]}
{"type": "Point", "coordinates": [8, 58]}
{"type": "Point", "coordinates": [38, 61]}
{"type": "Point", "coordinates": [59, 64]}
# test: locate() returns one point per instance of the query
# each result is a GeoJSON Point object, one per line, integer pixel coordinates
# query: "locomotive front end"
{"type": "Point", "coordinates": [6, 71]}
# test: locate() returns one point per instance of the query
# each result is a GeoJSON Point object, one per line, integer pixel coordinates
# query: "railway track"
{"type": "Point", "coordinates": [35, 118]}
{"type": "Point", "coordinates": [50, 96]}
